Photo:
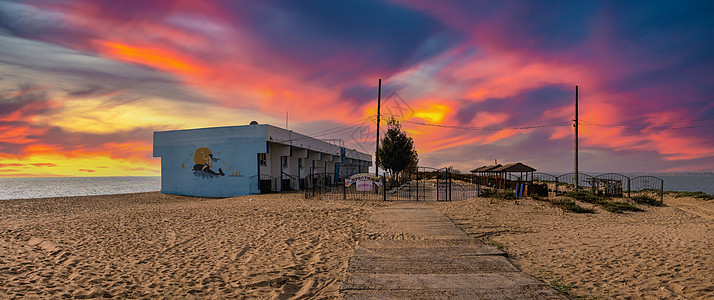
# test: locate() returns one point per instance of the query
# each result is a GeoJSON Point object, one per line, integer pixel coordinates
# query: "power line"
{"type": "Point", "coordinates": [648, 127]}
{"type": "Point", "coordinates": [567, 123]}
{"type": "Point", "coordinates": [625, 124]}
{"type": "Point", "coordinates": [328, 131]}
{"type": "Point", "coordinates": [461, 127]}
{"type": "Point", "coordinates": [641, 126]}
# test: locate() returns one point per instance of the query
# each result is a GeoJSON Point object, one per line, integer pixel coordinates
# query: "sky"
{"type": "Point", "coordinates": [84, 84]}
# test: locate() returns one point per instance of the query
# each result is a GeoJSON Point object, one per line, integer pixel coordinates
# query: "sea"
{"type": "Point", "coordinates": [44, 187]}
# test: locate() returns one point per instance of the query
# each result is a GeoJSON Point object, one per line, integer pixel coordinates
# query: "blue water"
{"type": "Point", "coordinates": [690, 183]}
{"type": "Point", "coordinates": [42, 187]}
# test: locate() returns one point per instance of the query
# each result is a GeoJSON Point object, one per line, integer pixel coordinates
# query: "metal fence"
{"type": "Point", "coordinates": [444, 184]}
{"type": "Point", "coordinates": [608, 184]}
{"type": "Point", "coordinates": [422, 184]}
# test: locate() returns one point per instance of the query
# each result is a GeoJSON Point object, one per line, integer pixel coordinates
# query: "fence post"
{"type": "Point", "coordinates": [629, 187]}
{"type": "Point", "coordinates": [344, 191]}
{"type": "Point", "coordinates": [478, 186]}
{"type": "Point", "coordinates": [384, 188]}
{"type": "Point", "coordinates": [437, 184]}
{"type": "Point", "coordinates": [417, 184]}
{"type": "Point", "coordinates": [448, 183]}
{"type": "Point", "coordinates": [556, 186]}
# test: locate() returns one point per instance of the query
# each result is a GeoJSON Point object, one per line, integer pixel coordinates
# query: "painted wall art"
{"type": "Point", "coordinates": [204, 164]}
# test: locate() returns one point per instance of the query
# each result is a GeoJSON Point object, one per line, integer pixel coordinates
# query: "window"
{"type": "Point", "coordinates": [262, 159]}
{"type": "Point", "coordinates": [284, 160]}
{"type": "Point", "coordinates": [300, 163]}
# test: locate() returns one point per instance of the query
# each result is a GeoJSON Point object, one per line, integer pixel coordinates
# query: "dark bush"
{"type": "Point", "coordinates": [646, 199]}
{"type": "Point", "coordinates": [585, 197]}
{"type": "Point", "coordinates": [499, 194]}
{"type": "Point", "coordinates": [618, 207]}
{"type": "Point", "coordinates": [570, 205]}
{"type": "Point", "coordinates": [488, 193]}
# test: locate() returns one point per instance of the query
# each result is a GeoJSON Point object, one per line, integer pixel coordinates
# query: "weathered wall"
{"type": "Point", "coordinates": [186, 171]}
{"type": "Point", "coordinates": [223, 161]}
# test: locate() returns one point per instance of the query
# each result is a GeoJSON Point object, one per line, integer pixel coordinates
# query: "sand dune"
{"type": "Point", "coordinates": [154, 245]}
{"type": "Point", "coordinates": [665, 252]}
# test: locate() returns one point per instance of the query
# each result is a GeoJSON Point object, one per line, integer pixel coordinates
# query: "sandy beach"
{"type": "Point", "coordinates": [284, 246]}
{"type": "Point", "coordinates": [663, 253]}
{"type": "Point", "coordinates": [154, 245]}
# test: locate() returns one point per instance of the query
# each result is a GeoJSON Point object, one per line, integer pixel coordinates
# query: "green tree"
{"type": "Point", "coordinates": [396, 153]}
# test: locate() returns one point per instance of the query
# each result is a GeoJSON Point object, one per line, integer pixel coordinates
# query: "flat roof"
{"type": "Point", "coordinates": [268, 132]}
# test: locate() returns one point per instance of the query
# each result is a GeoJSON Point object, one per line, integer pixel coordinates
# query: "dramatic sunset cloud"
{"type": "Point", "coordinates": [83, 84]}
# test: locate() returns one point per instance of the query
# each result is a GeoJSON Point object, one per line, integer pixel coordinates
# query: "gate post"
{"type": "Point", "coordinates": [384, 188]}
{"type": "Point", "coordinates": [448, 184]}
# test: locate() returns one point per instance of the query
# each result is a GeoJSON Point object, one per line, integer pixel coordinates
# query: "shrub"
{"type": "Point", "coordinates": [585, 197]}
{"type": "Point", "coordinates": [618, 207]}
{"type": "Point", "coordinates": [560, 286]}
{"type": "Point", "coordinates": [506, 194]}
{"type": "Point", "coordinates": [488, 193]}
{"type": "Point", "coordinates": [500, 194]}
{"type": "Point", "coordinates": [489, 241]}
{"type": "Point", "coordinates": [646, 199]}
{"type": "Point", "coordinates": [570, 205]}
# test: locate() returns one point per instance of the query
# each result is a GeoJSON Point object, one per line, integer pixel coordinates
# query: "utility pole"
{"type": "Point", "coordinates": [575, 124]}
{"type": "Point", "coordinates": [379, 103]}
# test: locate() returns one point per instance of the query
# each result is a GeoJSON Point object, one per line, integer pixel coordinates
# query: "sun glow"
{"type": "Point", "coordinates": [434, 113]}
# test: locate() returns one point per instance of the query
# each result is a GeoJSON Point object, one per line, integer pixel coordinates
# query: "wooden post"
{"type": "Point", "coordinates": [577, 184]}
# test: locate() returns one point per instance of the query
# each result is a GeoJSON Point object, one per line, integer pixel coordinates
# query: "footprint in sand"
{"type": "Point", "coordinates": [44, 244]}
{"type": "Point", "coordinates": [696, 210]}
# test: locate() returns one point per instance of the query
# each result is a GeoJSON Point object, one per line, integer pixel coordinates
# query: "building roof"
{"type": "Point", "coordinates": [507, 168]}
{"type": "Point", "coordinates": [256, 134]}
{"type": "Point", "coordinates": [486, 168]}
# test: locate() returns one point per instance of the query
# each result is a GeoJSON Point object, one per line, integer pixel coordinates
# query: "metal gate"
{"type": "Point", "coordinates": [648, 185]}
{"type": "Point", "coordinates": [422, 184]}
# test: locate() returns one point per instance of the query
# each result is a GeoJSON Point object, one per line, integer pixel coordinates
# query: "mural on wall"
{"type": "Point", "coordinates": [203, 162]}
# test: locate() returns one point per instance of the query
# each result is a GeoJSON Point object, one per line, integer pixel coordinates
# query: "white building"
{"type": "Point", "coordinates": [250, 159]}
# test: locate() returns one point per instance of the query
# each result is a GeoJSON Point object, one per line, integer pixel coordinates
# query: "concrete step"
{"type": "Point", "coordinates": [511, 285]}
{"type": "Point", "coordinates": [431, 265]}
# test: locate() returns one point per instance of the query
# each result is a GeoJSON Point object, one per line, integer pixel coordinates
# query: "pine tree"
{"type": "Point", "coordinates": [396, 153]}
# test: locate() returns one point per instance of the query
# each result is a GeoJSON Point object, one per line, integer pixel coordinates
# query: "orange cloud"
{"type": "Point", "coordinates": [162, 59]}
{"type": "Point", "coordinates": [19, 134]}
{"type": "Point", "coordinates": [500, 75]}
